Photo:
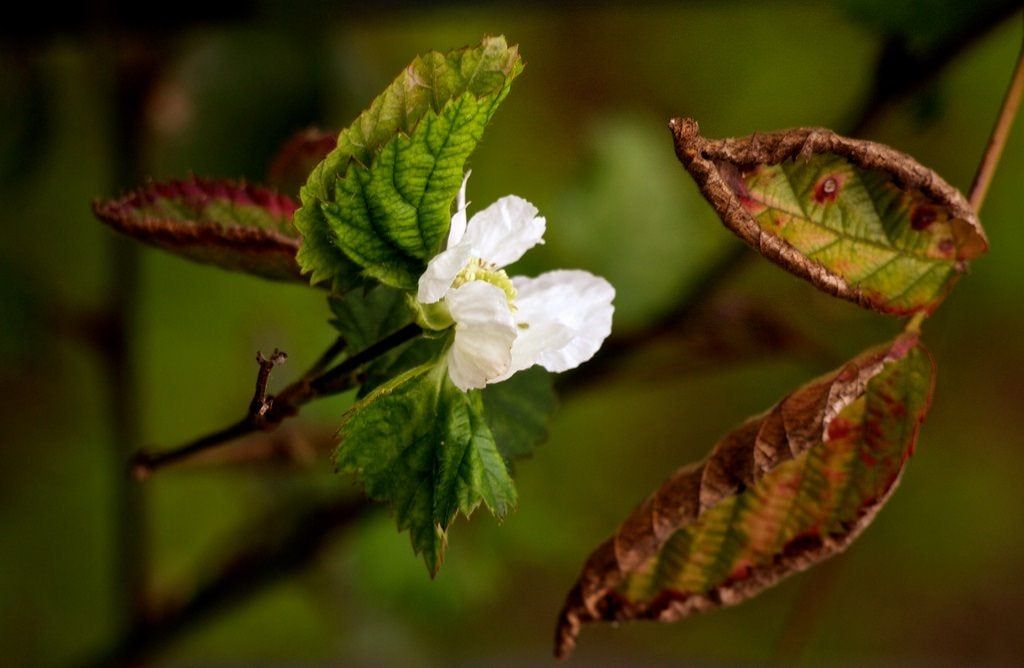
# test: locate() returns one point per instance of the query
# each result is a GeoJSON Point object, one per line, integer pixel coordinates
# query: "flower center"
{"type": "Point", "coordinates": [478, 270]}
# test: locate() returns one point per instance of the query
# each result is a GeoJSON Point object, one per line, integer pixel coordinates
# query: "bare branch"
{"type": "Point", "coordinates": [266, 413]}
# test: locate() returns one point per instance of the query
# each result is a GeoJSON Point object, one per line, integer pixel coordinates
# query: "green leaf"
{"type": "Point", "coordinates": [857, 219]}
{"type": "Point", "coordinates": [229, 224]}
{"type": "Point", "coordinates": [365, 317]}
{"type": "Point", "coordinates": [419, 351]}
{"type": "Point", "coordinates": [423, 446]}
{"type": "Point", "coordinates": [379, 204]}
{"type": "Point", "coordinates": [785, 490]}
{"type": "Point", "coordinates": [518, 411]}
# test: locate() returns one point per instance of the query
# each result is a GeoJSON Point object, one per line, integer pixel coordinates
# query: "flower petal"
{"type": "Point", "coordinates": [458, 226]}
{"type": "Point", "coordinates": [568, 315]}
{"type": "Point", "coordinates": [484, 332]}
{"type": "Point", "coordinates": [441, 272]}
{"type": "Point", "coordinates": [502, 232]}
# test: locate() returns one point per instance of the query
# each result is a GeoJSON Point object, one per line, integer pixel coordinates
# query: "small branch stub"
{"type": "Point", "coordinates": [261, 403]}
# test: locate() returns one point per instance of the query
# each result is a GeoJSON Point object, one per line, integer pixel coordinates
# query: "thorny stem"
{"type": "Point", "coordinates": [1000, 133]}
{"type": "Point", "coordinates": [265, 413]}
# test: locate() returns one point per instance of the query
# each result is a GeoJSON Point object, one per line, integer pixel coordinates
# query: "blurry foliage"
{"type": "Point", "coordinates": [633, 217]}
{"type": "Point", "coordinates": [599, 85]}
{"type": "Point", "coordinates": [921, 24]}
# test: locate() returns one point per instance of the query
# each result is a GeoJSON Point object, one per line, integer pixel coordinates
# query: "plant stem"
{"type": "Point", "coordinates": [914, 324]}
{"type": "Point", "coordinates": [1000, 133]}
{"type": "Point", "coordinates": [341, 378]}
{"type": "Point", "coordinates": [327, 357]}
{"type": "Point", "coordinates": [265, 413]}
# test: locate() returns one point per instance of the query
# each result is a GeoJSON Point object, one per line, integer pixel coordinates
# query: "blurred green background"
{"type": "Point", "coordinates": [934, 581]}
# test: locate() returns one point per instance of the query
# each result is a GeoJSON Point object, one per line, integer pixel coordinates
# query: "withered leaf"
{"type": "Point", "coordinates": [858, 219]}
{"type": "Point", "coordinates": [785, 490]}
{"type": "Point", "coordinates": [230, 224]}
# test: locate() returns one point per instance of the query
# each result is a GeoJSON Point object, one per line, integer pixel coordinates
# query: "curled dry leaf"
{"type": "Point", "coordinates": [858, 219]}
{"type": "Point", "coordinates": [297, 157]}
{"type": "Point", "coordinates": [785, 490]}
{"type": "Point", "coordinates": [230, 224]}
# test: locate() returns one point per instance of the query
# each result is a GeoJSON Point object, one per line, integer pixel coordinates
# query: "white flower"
{"type": "Point", "coordinates": [504, 325]}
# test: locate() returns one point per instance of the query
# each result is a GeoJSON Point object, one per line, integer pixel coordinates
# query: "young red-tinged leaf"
{"type": "Point", "coordinates": [227, 223]}
{"type": "Point", "coordinates": [785, 490]}
{"type": "Point", "coordinates": [857, 219]}
{"type": "Point", "coordinates": [297, 157]}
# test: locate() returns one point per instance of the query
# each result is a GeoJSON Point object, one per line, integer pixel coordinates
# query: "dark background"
{"type": "Point", "coordinates": [105, 346]}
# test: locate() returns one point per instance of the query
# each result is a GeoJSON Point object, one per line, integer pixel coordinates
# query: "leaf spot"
{"type": "Point", "coordinates": [826, 190]}
{"type": "Point", "coordinates": [922, 218]}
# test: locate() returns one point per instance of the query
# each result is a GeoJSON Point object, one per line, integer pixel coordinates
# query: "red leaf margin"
{"type": "Point", "coordinates": [266, 252]}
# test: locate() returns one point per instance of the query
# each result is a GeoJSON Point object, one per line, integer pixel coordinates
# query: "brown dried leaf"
{"type": "Point", "coordinates": [783, 491]}
{"type": "Point", "coordinates": [858, 219]}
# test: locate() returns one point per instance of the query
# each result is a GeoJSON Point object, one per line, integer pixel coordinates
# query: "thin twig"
{"type": "Point", "coordinates": [342, 377]}
{"type": "Point", "coordinates": [327, 357]}
{"type": "Point", "coordinates": [266, 413]}
{"type": "Point", "coordinates": [1000, 133]}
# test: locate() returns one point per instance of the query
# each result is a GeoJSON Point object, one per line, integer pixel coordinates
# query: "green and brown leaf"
{"type": "Point", "coordinates": [230, 224]}
{"type": "Point", "coordinates": [857, 219]}
{"type": "Point", "coordinates": [785, 490]}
